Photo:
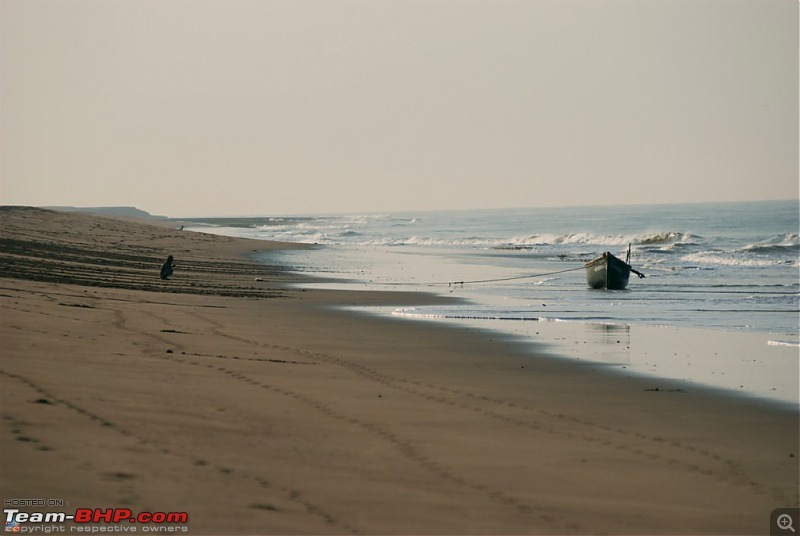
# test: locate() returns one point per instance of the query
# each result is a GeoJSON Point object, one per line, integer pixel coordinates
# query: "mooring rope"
{"type": "Point", "coordinates": [477, 281]}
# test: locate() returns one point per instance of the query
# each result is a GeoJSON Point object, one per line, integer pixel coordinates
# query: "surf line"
{"type": "Point", "coordinates": [477, 281]}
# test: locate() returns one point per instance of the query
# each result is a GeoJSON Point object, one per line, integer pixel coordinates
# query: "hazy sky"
{"type": "Point", "coordinates": [233, 107]}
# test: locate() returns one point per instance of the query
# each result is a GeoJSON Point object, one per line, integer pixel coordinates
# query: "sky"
{"type": "Point", "coordinates": [260, 107]}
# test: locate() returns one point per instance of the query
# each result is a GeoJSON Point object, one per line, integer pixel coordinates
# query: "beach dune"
{"type": "Point", "coordinates": [258, 407]}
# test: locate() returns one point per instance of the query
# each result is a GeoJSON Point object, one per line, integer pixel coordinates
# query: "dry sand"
{"type": "Point", "coordinates": [258, 409]}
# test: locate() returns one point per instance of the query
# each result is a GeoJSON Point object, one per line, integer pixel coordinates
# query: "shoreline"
{"type": "Point", "coordinates": [257, 410]}
{"type": "Point", "coordinates": [766, 371]}
{"type": "Point", "coordinates": [726, 362]}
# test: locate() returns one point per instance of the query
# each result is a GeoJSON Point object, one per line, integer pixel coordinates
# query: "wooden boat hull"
{"type": "Point", "coordinates": [607, 272]}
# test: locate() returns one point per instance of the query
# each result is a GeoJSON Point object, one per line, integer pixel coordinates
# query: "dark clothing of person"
{"type": "Point", "coordinates": [167, 268]}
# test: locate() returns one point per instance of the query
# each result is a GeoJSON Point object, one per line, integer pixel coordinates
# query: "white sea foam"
{"type": "Point", "coordinates": [586, 238]}
{"type": "Point", "coordinates": [530, 241]}
{"type": "Point", "coordinates": [729, 259]}
{"type": "Point", "coordinates": [783, 343]}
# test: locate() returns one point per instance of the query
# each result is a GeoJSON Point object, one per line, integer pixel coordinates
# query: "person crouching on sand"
{"type": "Point", "coordinates": [167, 268]}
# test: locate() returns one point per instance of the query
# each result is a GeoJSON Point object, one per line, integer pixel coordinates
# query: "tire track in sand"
{"type": "Point", "coordinates": [120, 321]}
{"type": "Point", "coordinates": [403, 446]}
{"type": "Point", "coordinates": [686, 456]}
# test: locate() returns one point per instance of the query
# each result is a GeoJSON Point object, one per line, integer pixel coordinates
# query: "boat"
{"type": "Point", "coordinates": [609, 272]}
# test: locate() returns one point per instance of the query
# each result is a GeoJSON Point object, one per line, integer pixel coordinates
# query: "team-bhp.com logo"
{"type": "Point", "coordinates": [16, 519]}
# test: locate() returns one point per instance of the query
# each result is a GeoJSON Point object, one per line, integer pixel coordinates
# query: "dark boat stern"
{"type": "Point", "coordinates": [607, 272]}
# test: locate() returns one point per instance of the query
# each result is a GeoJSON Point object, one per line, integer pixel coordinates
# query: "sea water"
{"type": "Point", "coordinates": [729, 268]}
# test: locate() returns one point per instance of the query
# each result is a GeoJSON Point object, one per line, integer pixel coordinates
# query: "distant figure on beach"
{"type": "Point", "coordinates": [167, 268]}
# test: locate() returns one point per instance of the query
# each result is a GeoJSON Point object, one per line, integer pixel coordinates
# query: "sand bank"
{"type": "Point", "coordinates": [257, 410]}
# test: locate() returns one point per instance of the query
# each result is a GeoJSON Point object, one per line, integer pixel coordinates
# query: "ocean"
{"type": "Point", "coordinates": [722, 267]}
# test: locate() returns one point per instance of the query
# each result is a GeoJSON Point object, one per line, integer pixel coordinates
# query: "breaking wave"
{"type": "Point", "coordinates": [668, 237]}
{"type": "Point", "coordinates": [783, 343]}
{"type": "Point", "coordinates": [733, 259]}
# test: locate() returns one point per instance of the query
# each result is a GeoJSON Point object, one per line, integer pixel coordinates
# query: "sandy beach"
{"type": "Point", "coordinates": [257, 408]}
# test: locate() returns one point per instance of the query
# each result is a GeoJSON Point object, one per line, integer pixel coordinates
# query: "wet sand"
{"type": "Point", "coordinates": [259, 409]}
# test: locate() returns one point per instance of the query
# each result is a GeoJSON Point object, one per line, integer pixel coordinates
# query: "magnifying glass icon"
{"type": "Point", "coordinates": [784, 522]}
